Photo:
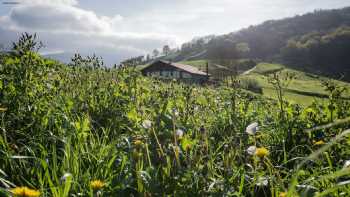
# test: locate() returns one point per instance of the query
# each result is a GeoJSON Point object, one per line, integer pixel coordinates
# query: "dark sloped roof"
{"type": "Point", "coordinates": [184, 67]}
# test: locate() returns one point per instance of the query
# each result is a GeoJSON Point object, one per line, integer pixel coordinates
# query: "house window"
{"type": "Point", "coordinates": [176, 74]}
{"type": "Point", "coordinates": [186, 75]}
{"type": "Point", "coordinates": [155, 74]}
{"type": "Point", "coordinates": [166, 74]}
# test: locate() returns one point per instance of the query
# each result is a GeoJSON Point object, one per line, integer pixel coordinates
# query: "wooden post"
{"type": "Point", "coordinates": [207, 70]}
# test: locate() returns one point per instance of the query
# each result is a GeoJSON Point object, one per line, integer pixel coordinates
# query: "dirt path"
{"type": "Point", "coordinates": [249, 71]}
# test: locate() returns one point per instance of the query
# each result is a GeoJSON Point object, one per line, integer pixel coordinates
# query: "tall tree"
{"type": "Point", "coordinates": [166, 50]}
{"type": "Point", "coordinates": [27, 42]}
{"type": "Point", "coordinates": [155, 53]}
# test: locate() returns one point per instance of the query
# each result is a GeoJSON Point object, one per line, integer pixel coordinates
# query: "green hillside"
{"type": "Point", "coordinates": [304, 89]}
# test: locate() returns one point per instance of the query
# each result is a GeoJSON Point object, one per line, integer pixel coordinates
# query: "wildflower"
{"type": "Point", "coordinates": [138, 143]}
{"type": "Point", "coordinates": [187, 146]}
{"type": "Point", "coordinates": [262, 181]}
{"type": "Point", "coordinates": [252, 128]}
{"type": "Point", "coordinates": [283, 194]}
{"type": "Point", "coordinates": [251, 150]}
{"type": "Point", "coordinates": [25, 192]}
{"type": "Point", "coordinates": [175, 112]}
{"type": "Point", "coordinates": [261, 152]}
{"type": "Point", "coordinates": [147, 124]}
{"type": "Point", "coordinates": [195, 108]}
{"type": "Point", "coordinates": [97, 184]}
{"type": "Point", "coordinates": [347, 164]}
{"type": "Point", "coordinates": [65, 177]}
{"type": "Point", "coordinates": [179, 133]}
{"type": "Point", "coordinates": [320, 142]}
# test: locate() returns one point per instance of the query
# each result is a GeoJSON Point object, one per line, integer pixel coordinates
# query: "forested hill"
{"type": "Point", "coordinates": [266, 40]}
{"type": "Point", "coordinates": [317, 42]}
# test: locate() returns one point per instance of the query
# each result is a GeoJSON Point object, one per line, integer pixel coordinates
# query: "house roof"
{"type": "Point", "coordinates": [184, 67]}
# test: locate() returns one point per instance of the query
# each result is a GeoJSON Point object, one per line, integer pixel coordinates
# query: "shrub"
{"type": "Point", "coordinates": [251, 85]}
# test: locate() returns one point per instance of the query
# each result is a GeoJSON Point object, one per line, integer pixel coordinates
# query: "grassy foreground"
{"type": "Point", "coordinates": [85, 130]}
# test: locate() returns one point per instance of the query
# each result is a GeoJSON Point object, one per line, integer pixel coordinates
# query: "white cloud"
{"type": "Point", "coordinates": [51, 52]}
{"type": "Point", "coordinates": [58, 18]}
{"type": "Point", "coordinates": [51, 2]}
{"type": "Point", "coordinates": [63, 27]}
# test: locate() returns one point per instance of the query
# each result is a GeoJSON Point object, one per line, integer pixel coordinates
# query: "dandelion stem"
{"type": "Point", "coordinates": [148, 156]}
{"type": "Point", "coordinates": [159, 145]}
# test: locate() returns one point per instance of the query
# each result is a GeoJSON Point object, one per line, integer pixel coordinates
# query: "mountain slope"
{"type": "Point", "coordinates": [271, 40]}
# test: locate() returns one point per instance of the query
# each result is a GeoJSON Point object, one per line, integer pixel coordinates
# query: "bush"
{"type": "Point", "coordinates": [251, 85]}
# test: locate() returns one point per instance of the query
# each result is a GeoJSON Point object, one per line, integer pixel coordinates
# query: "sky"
{"type": "Point", "coordinates": [118, 29]}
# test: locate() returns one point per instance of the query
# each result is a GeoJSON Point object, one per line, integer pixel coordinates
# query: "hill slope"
{"type": "Point", "coordinates": [312, 42]}
{"type": "Point", "coordinates": [304, 89]}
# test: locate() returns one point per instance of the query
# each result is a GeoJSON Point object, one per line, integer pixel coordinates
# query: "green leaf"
{"type": "Point", "coordinates": [132, 115]}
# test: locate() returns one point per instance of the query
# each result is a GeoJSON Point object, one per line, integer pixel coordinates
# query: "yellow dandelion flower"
{"type": "Point", "coordinates": [321, 142]}
{"type": "Point", "coordinates": [283, 194]}
{"type": "Point", "coordinates": [188, 147]}
{"type": "Point", "coordinates": [261, 152]}
{"type": "Point", "coordinates": [97, 184]}
{"type": "Point", "coordinates": [138, 143]}
{"type": "Point", "coordinates": [25, 192]}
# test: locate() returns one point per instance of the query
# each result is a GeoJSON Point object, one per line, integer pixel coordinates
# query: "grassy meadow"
{"type": "Point", "coordinates": [304, 89]}
{"type": "Point", "coordinates": [86, 130]}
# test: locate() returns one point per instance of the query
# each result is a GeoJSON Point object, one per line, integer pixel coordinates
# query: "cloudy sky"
{"type": "Point", "coordinates": [117, 29]}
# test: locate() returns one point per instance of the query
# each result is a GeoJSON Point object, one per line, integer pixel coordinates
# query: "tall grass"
{"type": "Point", "coordinates": [64, 126]}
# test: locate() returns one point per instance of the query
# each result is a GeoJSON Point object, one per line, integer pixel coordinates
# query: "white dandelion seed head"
{"type": "Point", "coordinates": [252, 128]}
{"type": "Point", "coordinates": [65, 176]}
{"type": "Point", "coordinates": [251, 150]}
{"type": "Point", "coordinates": [179, 133]}
{"type": "Point", "coordinates": [147, 124]}
{"type": "Point", "coordinates": [347, 164]}
{"type": "Point", "coordinates": [262, 181]}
